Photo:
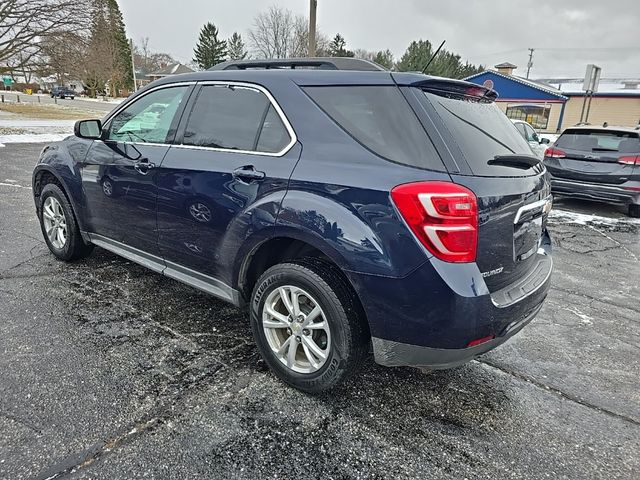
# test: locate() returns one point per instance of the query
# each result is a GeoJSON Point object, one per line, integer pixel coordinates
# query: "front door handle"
{"type": "Point", "coordinates": [248, 173]}
{"type": "Point", "coordinates": [143, 166]}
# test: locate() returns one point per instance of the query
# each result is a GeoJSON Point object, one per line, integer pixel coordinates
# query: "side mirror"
{"type": "Point", "coordinates": [545, 141]}
{"type": "Point", "coordinates": [89, 129]}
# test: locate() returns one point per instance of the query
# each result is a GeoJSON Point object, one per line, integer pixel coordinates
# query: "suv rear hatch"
{"type": "Point", "coordinates": [484, 152]}
{"type": "Point", "coordinates": [594, 155]}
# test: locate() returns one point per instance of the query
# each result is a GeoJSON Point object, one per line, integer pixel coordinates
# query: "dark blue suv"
{"type": "Point", "coordinates": [347, 210]}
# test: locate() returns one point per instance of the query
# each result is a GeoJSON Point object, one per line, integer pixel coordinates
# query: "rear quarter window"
{"type": "Point", "coordinates": [481, 131]}
{"type": "Point", "coordinates": [380, 119]}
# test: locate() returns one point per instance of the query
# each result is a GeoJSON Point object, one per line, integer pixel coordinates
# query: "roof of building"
{"type": "Point", "coordinates": [171, 69]}
{"type": "Point", "coordinates": [607, 87]}
{"type": "Point", "coordinates": [506, 65]}
{"type": "Point", "coordinates": [529, 83]}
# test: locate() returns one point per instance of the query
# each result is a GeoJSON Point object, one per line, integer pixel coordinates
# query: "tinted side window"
{"type": "Point", "coordinates": [149, 118]}
{"type": "Point", "coordinates": [532, 136]}
{"type": "Point", "coordinates": [380, 119]}
{"type": "Point", "coordinates": [234, 118]}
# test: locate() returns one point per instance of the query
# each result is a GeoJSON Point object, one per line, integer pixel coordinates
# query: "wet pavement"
{"type": "Point", "coordinates": [110, 371]}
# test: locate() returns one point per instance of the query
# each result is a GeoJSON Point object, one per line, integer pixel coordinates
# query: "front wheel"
{"type": "Point", "coordinates": [59, 226]}
{"type": "Point", "coordinates": [308, 325]}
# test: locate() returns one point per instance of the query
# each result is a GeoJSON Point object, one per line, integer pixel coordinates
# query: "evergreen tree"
{"type": "Point", "coordinates": [122, 67]}
{"type": "Point", "coordinates": [108, 55]}
{"type": "Point", "coordinates": [337, 47]}
{"type": "Point", "coordinates": [235, 47]}
{"type": "Point", "coordinates": [209, 51]}
{"type": "Point", "coordinates": [384, 58]}
{"type": "Point", "coordinates": [445, 64]}
{"type": "Point", "coordinates": [96, 67]}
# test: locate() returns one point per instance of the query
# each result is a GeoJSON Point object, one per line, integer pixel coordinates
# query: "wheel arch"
{"type": "Point", "coordinates": [285, 247]}
{"type": "Point", "coordinates": [43, 175]}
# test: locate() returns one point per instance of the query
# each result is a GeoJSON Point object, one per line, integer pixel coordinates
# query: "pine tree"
{"type": "Point", "coordinates": [122, 74]}
{"type": "Point", "coordinates": [445, 64]}
{"type": "Point", "coordinates": [235, 47]}
{"type": "Point", "coordinates": [209, 51]}
{"type": "Point", "coordinates": [337, 47]}
{"type": "Point", "coordinates": [108, 56]}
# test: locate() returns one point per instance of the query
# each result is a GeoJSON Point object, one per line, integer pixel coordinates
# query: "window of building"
{"type": "Point", "coordinates": [534, 114]}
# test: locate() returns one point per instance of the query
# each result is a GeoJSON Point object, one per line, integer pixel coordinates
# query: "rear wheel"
{"type": "Point", "coordinates": [307, 325]}
{"type": "Point", "coordinates": [634, 211]}
{"type": "Point", "coordinates": [59, 226]}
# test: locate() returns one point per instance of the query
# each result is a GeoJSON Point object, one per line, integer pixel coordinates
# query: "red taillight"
{"type": "Point", "coordinates": [554, 153]}
{"type": "Point", "coordinates": [629, 160]}
{"type": "Point", "coordinates": [444, 217]}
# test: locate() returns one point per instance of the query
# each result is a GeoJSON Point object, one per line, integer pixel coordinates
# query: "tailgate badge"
{"type": "Point", "coordinates": [490, 273]}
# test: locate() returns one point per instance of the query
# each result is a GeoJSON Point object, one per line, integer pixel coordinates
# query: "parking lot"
{"type": "Point", "coordinates": [108, 370]}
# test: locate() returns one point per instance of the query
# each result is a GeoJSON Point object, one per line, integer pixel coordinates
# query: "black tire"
{"type": "Point", "coordinates": [349, 332]}
{"type": "Point", "coordinates": [74, 247]}
{"type": "Point", "coordinates": [634, 211]}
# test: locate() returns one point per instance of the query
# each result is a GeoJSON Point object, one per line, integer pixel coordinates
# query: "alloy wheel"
{"type": "Point", "coordinates": [296, 329]}
{"type": "Point", "coordinates": [55, 222]}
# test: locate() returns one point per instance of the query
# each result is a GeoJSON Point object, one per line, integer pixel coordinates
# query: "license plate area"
{"type": "Point", "coordinates": [527, 230]}
{"type": "Point", "coordinates": [527, 236]}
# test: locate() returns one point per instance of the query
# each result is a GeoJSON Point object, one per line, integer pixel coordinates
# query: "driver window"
{"type": "Point", "coordinates": [149, 118]}
{"type": "Point", "coordinates": [532, 136]}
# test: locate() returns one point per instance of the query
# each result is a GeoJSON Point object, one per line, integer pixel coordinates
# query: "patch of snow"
{"type": "Point", "coordinates": [586, 219]}
{"type": "Point", "coordinates": [37, 123]}
{"type": "Point", "coordinates": [2, 184]}
{"type": "Point", "coordinates": [33, 138]}
{"type": "Point", "coordinates": [584, 318]}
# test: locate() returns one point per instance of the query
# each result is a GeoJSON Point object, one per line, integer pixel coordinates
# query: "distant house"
{"type": "Point", "coordinates": [522, 99]}
{"type": "Point", "coordinates": [171, 69]}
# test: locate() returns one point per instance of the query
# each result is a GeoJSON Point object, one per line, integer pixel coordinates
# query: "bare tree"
{"type": "Point", "coordinates": [277, 33]}
{"type": "Point", "coordinates": [272, 33]}
{"type": "Point", "coordinates": [25, 23]}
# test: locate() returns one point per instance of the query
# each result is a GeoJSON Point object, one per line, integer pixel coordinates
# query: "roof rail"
{"type": "Point", "coordinates": [319, 63]}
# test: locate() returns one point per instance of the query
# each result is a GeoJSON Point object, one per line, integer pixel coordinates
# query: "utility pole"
{"type": "Point", "coordinates": [313, 6]}
{"type": "Point", "coordinates": [530, 63]}
{"type": "Point", "coordinates": [133, 66]}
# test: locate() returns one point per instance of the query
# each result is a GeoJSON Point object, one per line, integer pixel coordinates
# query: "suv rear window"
{"type": "Point", "coordinates": [587, 140]}
{"type": "Point", "coordinates": [481, 131]}
{"type": "Point", "coordinates": [380, 119]}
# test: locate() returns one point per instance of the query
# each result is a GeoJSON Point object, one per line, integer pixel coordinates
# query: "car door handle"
{"type": "Point", "coordinates": [143, 166]}
{"type": "Point", "coordinates": [248, 173]}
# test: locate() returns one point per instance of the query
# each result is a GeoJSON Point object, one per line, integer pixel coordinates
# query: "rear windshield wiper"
{"type": "Point", "coordinates": [517, 161]}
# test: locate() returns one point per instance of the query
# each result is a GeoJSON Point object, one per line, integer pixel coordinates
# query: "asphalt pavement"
{"type": "Point", "coordinates": [108, 370]}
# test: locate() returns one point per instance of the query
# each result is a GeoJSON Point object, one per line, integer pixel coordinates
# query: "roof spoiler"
{"type": "Point", "coordinates": [458, 89]}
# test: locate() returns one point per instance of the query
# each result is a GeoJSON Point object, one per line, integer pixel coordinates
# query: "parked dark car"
{"type": "Point", "coordinates": [347, 210]}
{"type": "Point", "coordinates": [62, 92]}
{"type": "Point", "coordinates": [597, 163]}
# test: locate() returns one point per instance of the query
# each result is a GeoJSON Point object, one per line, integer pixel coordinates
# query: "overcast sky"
{"type": "Point", "coordinates": [567, 34]}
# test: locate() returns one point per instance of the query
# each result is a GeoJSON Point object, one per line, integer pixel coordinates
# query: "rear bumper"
{"type": "Point", "coordinates": [395, 354]}
{"type": "Point", "coordinates": [429, 318]}
{"type": "Point", "coordinates": [596, 191]}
